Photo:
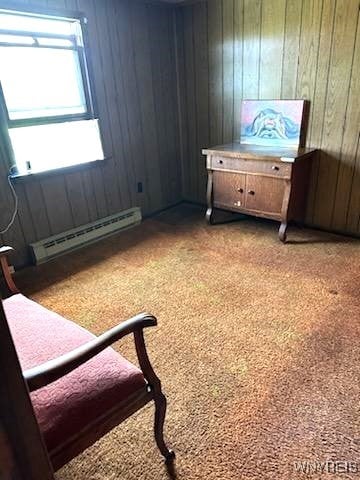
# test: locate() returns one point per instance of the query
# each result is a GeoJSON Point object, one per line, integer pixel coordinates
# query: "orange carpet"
{"type": "Point", "coordinates": [258, 345]}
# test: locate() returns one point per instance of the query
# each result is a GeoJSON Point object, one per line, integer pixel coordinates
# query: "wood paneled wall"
{"type": "Point", "coordinates": [169, 82]}
{"type": "Point", "coordinates": [229, 50]}
{"type": "Point", "coordinates": [132, 51]}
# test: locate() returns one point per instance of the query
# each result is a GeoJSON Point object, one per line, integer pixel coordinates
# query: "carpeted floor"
{"type": "Point", "coordinates": [258, 345]}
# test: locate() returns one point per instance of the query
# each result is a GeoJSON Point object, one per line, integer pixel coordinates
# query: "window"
{"type": "Point", "coordinates": [45, 92]}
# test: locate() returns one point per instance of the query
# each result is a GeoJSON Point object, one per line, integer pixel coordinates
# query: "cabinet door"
{"type": "Point", "coordinates": [264, 194]}
{"type": "Point", "coordinates": [229, 189]}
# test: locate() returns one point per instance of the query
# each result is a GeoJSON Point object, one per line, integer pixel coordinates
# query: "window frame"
{"type": "Point", "coordinates": [83, 56]}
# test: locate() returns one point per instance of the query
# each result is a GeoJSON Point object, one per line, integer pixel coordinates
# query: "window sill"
{"type": "Point", "coordinates": [21, 177]}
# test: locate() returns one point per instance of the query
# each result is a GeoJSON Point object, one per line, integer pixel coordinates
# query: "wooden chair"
{"type": "Point", "coordinates": [87, 389]}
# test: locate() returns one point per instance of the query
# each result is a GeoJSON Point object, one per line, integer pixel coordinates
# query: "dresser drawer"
{"type": "Point", "coordinates": [263, 167]}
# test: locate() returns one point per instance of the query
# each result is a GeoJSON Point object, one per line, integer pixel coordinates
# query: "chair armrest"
{"type": "Point", "coordinates": [52, 370]}
{"type": "Point", "coordinates": [4, 252]}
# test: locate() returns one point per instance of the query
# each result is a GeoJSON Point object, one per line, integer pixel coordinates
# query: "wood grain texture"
{"type": "Point", "coordinates": [158, 108]}
{"type": "Point", "coordinates": [319, 100]}
{"type": "Point", "coordinates": [201, 90]}
{"type": "Point", "coordinates": [353, 218]}
{"type": "Point", "coordinates": [289, 49]}
{"type": "Point", "coordinates": [132, 55]}
{"type": "Point", "coordinates": [271, 48]}
{"type": "Point", "coordinates": [293, 12]}
{"type": "Point", "coordinates": [191, 112]}
{"type": "Point", "coordinates": [347, 165]}
{"type": "Point", "coordinates": [228, 70]}
{"type": "Point", "coordinates": [216, 92]}
{"type": "Point", "coordinates": [165, 97]}
{"type": "Point", "coordinates": [238, 64]}
{"type": "Point", "coordinates": [251, 50]}
{"type": "Point", "coordinates": [341, 59]}
{"type": "Point", "coordinates": [261, 184]}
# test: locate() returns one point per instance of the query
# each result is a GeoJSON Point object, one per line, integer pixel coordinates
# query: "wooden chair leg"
{"type": "Point", "coordinates": [160, 413]}
{"type": "Point", "coordinates": [159, 397]}
{"type": "Point", "coordinates": [7, 275]}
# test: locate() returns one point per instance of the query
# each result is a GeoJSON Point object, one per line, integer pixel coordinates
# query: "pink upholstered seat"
{"type": "Point", "coordinates": [69, 404]}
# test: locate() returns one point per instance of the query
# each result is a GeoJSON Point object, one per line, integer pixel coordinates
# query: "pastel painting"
{"type": "Point", "coordinates": [272, 122]}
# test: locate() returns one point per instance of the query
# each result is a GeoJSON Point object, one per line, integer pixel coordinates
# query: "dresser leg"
{"type": "Point", "coordinates": [209, 198]}
{"type": "Point", "coordinates": [282, 231]}
{"type": "Point", "coordinates": [209, 216]}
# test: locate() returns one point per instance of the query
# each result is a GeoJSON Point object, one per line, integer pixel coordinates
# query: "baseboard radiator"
{"type": "Point", "coordinates": [76, 238]}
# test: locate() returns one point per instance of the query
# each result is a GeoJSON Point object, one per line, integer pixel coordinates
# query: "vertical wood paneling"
{"type": "Point", "coordinates": [215, 47]}
{"type": "Point", "coordinates": [251, 49]}
{"type": "Point", "coordinates": [289, 49]}
{"type": "Point", "coordinates": [312, 71]}
{"type": "Point", "coordinates": [227, 50]}
{"type": "Point", "coordinates": [90, 195]}
{"type": "Point", "coordinates": [318, 102]}
{"type": "Point", "coordinates": [293, 13]}
{"type": "Point", "coordinates": [106, 96]}
{"type": "Point", "coordinates": [57, 204]}
{"type": "Point", "coordinates": [228, 70]}
{"type": "Point", "coordinates": [165, 97]}
{"type": "Point", "coordinates": [309, 47]}
{"type": "Point", "coordinates": [201, 91]}
{"type": "Point", "coordinates": [168, 82]}
{"type": "Point", "coordinates": [78, 203]}
{"type": "Point", "coordinates": [238, 65]}
{"type": "Point", "coordinates": [271, 49]}
{"type": "Point", "coordinates": [349, 145]}
{"type": "Point", "coordinates": [38, 214]}
{"type": "Point", "coordinates": [125, 164]}
{"type": "Point", "coordinates": [132, 98]}
{"type": "Point", "coordinates": [25, 217]}
{"type": "Point", "coordinates": [178, 20]}
{"type": "Point", "coordinates": [190, 116]}
{"type": "Point", "coordinates": [138, 122]}
{"type": "Point", "coordinates": [147, 104]}
{"type": "Point", "coordinates": [353, 216]}
{"type": "Point", "coordinates": [341, 59]}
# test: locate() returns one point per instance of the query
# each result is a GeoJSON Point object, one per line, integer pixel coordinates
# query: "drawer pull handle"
{"type": "Point", "coordinates": [251, 192]}
{"type": "Point", "coordinates": [275, 167]}
{"type": "Point", "coordinates": [220, 161]}
{"type": "Point", "coordinates": [240, 190]}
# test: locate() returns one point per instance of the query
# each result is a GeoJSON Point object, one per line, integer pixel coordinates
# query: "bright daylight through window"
{"type": "Point", "coordinates": [45, 92]}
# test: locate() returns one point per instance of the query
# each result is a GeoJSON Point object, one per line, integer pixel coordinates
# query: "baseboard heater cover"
{"type": "Point", "coordinates": [73, 239]}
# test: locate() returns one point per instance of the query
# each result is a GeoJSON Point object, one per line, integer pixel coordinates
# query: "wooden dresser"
{"type": "Point", "coordinates": [261, 181]}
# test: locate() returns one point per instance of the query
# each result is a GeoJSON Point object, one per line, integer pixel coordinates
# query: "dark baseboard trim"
{"type": "Point", "coordinates": [156, 212]}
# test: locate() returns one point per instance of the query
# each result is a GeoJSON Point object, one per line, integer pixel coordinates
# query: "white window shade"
{"type": "Point", "coordinates": [41, 82]}
{"type": "Point", "coordinates": [58, 145]}
{"type": "Point", "coordinates": [29, 23]}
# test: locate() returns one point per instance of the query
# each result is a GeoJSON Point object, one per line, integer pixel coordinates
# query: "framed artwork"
{"type": "Point", "coordinates": [275, 123]}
